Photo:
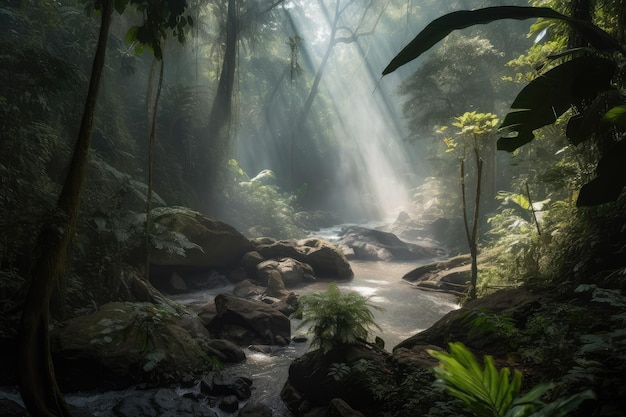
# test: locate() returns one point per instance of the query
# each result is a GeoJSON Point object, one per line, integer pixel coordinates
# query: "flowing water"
{"type": "Point", "coordinates": [406, 311]}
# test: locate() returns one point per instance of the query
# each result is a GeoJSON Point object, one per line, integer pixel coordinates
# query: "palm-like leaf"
{"type": "Point", "coordinates": [439, 28]}
{"type": "Point", "coordinates": [485, 391]}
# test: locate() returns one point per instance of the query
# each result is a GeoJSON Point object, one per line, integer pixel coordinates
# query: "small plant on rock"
{"type": "Point", "coordinates": [336, 319]}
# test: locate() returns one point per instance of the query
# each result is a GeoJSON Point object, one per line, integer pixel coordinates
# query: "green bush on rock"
{"type": "Point", "coordinates": [337, 319]}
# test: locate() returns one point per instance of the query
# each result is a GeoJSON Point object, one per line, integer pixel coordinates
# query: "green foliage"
{"type": "Point", "coordinates": [549, 339]}
{"type": "Point", "coordinates": [339, 371]}
{"type": "Point", "coordinates": [533, 109]}
{"type": "Point", "coordinates": [612, 342]}
{"type": "Point", "coordinates": [439, 28]}
{"type": "Point", "coordinates": [336, 319]}
{"type": "Point", "coordinates": [483, 323]}
{"type": "Point", "coordinates": [260, 208]}
{"type": "Point", "coordinates": [488, 392]}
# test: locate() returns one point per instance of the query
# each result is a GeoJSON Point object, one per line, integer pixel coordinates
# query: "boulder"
{"type": "Point", "coordinates": [375, 245]}
{"type": "Point", "coordinates": [247, 322]}
{"type": "Point", "coordinates": [160, 403]}
{"type": "Point", "coordinates": [450, 275]}
{"type": "Point", "coordinates": [458, 324]}
{"type": "Point", "coordinates": [188, 238]}
{"type": "Point", "coordinates": [340, 408]}
{"type": "Point", "coordinates": [225, 351]}
{"type": "Point", "coordinates": [326, 259]}
{"type": "Point", "coordinates": [247, 289]}
{"type": "Point", "coordinates": [127, 343]}
{"type": "Point", "coordinates": [229, 404]}
{"type": "Point", "coordinates": [314, 380]}
{"type": "Point", "coordinates": [291, 271]}
{"type": "Point", "coordinates": [276, 285]}
{"type": "Point", "coordinates": [250, 260]}
{"type": "Point", "coordinates": [225, 384]}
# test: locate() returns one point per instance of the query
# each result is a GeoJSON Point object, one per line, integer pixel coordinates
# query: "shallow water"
{"type": "Point", "coordinates": [406, 311]}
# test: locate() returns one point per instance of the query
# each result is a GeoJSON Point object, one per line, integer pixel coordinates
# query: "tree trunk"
{"type": "Point", "coordinates": [37, 381]}
{"type": "Point", "coordinates": [472, 235]}
{"type": "Point", "coordinates": [217, 137]}
{"type": "Point", "coordinates": [152, 115]}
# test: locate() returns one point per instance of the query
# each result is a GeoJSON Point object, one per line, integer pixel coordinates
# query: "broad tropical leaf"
{"type": "Point", "coordinates": [439, 28]}
{"type": "Point", "coordinates": [607, 186]}
{"type": "Point", "coordinates": [551, 94]}
{"type": "Point", "coordinates": [616, 116]}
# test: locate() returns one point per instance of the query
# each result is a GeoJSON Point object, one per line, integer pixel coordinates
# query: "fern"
{"type": "Point", "coordinates": [336, 318]}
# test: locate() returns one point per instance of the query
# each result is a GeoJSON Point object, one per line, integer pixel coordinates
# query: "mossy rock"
{"type": "Point", "coordinates": [193, 240]}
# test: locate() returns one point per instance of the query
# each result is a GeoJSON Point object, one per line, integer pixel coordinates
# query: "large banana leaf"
{"type": "Point", "coordinates": [441, 27]}
{"type": "Point", "coordinates": [485, 391]}
{"type": "Point", "coordinates": [551, 94]}
{"type": "Point", "coordinates": [611, 178]}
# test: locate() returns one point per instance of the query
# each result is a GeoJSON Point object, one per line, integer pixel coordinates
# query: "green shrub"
{"type": "Point", "coordinates": [336, 319]}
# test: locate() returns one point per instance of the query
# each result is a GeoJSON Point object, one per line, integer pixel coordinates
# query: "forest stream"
{"type": "Point", "coordinates": [406, 311]}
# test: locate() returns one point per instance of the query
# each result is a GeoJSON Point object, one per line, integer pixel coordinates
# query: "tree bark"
{"type": "Point", "coordinates": [152, 116]}
{"type": "Point", "coordinates": [38, 386]}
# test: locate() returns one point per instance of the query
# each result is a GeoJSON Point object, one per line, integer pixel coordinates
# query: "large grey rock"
{"type": "Point", "coordinates": [247, 322]}
{"type": "Point", "coordinates": [311, 382]}
{"type": "Point", "coordinates": [369, 244]}
{"type": "Point", "coordinates": [127, 343]}
{"type": "Point", "coordinates": [325, 258]}
{"type": "Point", "coordinates": [449, 275]}
{"type": "Point", "coordinates": [291, 271]}
{"type": "Point", "coordinates": [199, 241]}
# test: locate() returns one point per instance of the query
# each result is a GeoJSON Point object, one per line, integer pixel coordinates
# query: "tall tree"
{"type": "Point", "coordinates": [37, 381]}
{"type": "Point", "coordinates": [240, 15]}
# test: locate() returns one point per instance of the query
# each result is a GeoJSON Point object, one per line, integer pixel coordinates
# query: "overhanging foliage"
{"type": "Point", "coordinates": [585, 84]}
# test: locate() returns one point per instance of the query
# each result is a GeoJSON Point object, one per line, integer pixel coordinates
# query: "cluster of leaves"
{"type": "Point", "coordinates": [550, 338]}
{"type": "Point", "coordinates": [361, 373]}
{"type": "Point", "coordinates": [336, 319]}
{"type": "Point", "coordinates": [415, 395]}
{"type": "Point", "coordinates": [602, 354]}
{"type": "Point", "coordinates": [485, 325]}
{"type": "Point", "coordinates": [488, 392]}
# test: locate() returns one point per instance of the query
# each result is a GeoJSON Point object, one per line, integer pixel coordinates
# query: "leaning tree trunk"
{"type": "Point", "coordinates": [37, 381]}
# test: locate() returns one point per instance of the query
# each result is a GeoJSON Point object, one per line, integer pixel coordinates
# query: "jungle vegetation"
{"type": "Point", "coordinates": [109, 108]}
